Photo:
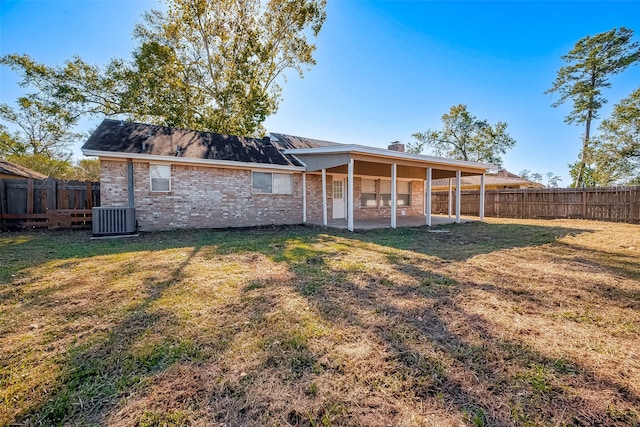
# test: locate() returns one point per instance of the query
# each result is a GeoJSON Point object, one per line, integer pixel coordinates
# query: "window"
{"type": "Point", "coordinates": [271, 183]}
{"type": "Point", "coordinates": [368, 193]}
{"type": "Point", "coordinates": [385, 193]}
{"type": "Point", "coordinates": [160, 176]}
{"type": "Point", "coordinates": [337, 189]}
{"type": "Point", "coordinates": [404, 193]}
{"type": "Point", "coordinates": [378, 193]}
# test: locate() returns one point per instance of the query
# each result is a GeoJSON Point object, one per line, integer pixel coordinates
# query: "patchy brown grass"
{"type": "Point", "coordinates": [509, 322]}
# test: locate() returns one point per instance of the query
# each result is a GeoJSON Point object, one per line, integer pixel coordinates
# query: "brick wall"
{"type": "Point", "coordinates": [113, 183]}
{"type": "Point", "coordinates": [200, 197]}
{"type": "Point", "coordinates": [210, 197]}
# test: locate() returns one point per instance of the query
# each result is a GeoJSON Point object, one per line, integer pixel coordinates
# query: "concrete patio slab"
{"type": "Point", "coordinates": [402, 221]}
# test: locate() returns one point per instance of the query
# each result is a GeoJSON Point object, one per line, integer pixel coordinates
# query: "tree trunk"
{"type": "Point", "coordinates": [585, 142]}
{"type": "Point", "coordinates": [585, 147]}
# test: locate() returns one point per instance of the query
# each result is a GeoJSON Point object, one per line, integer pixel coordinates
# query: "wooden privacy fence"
{"type": "Point", "coordinates": [605, 204]}
{"type": "Point", "coordinates": [48, 203]}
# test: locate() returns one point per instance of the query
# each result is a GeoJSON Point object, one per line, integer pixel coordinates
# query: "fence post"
{"type": "Point", "coordinates": [52, 200]}
{"type": "Point", "coordinates": [632, 207]}
{"type": "Point", "coordinates": [89, 195]}
{"type": "Point", "coordinates": [3, 202]}
{"type": "Point", "coordinates": [30, 196]}
{"type": "Point", "coordinates": [584, 204]}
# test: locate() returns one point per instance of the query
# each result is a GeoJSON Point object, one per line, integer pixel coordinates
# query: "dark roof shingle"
{"type": "Point", "coordinates": [128, 137]}
{"type": "Point", "coordinates": [287, 142]}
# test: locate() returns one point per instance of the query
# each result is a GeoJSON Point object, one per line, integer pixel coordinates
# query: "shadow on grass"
{"type": "Point", "coordinates": [458, 242]}
{"type": "Point", "coordinates": [110, 366]}
{"type": "Point", "coordinates": [450, 356]}
{"type": "Point", "coordinates": [438, 351]}
{"type": "Point", "coordinates": [19, 251]}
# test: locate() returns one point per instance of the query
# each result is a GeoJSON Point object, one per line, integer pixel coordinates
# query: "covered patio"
{"type": "Point", "coordinates": [367, 179]}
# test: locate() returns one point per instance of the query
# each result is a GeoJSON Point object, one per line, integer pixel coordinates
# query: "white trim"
{"type": "Point", "coordinates": [291, 189]}
{"type": "Point", "coordinates": [361, 149]}
{"type": "Point", "coordinates": [350, 195]}
{"type": "Point", "coordinates": [458, 193]}
{"type": "Point", "coordinates": [394, 194]}
{"type": "Point", "coordinates": [191, 161]}
{"type": "Point", "coordinates": [324, 197]}
{"type": "Point", "coordinates": [482, 197]}
{"type": "Point", "coordinates": [151, 190]}
{"type": "Point", "coordinates": [450, 199]}
{"type": "Point", "coordinates": [304, 197]}
{"type": "Point", "coordinates": [427, 200]}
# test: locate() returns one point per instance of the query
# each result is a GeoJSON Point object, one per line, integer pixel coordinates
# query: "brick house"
{"type": "Point", "coordinates": [177, 178]}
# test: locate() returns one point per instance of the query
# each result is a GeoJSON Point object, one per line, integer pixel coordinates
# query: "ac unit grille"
{"type": "Point", "coordinates": [113, 221]}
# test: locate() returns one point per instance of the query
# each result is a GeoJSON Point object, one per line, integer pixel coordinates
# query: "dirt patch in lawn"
{"type": "Point", "coordinates": [508, 322]}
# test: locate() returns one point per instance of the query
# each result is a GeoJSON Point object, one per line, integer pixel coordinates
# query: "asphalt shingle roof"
{"type": "Point", "coordinates": [137, 138]}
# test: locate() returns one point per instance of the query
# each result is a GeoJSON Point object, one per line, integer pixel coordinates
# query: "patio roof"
{"type": "Point", "coordinates": [377, 162]}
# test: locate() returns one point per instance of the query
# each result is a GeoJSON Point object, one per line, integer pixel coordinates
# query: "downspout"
{"type": "Point", "coordinates": [130, 192]}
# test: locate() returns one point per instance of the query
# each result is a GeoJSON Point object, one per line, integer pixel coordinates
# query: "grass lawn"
{"type": "Point", "coordinates": [508, 322]}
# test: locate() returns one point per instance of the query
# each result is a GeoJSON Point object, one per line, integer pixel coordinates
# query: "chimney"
{"type": "Point", "coordinates": [396, 146]}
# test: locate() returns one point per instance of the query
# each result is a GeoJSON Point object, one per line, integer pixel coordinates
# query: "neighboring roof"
{"type": "Point", "coordinates": [8, 168]}
{"type": "Point", "coordinates": [143, 140]}
{"type": "Point", "coordinates": [501, 178]}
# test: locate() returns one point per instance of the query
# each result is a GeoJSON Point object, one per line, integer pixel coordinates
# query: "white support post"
{"type": "Point", "coordinates": [350, 195]}
{"type": "Point", "coordinates": [394, 194]}
{"type": "Point", "coordinates": [482, 197]}
{"type": "Point", "coordinates": [450, 199]}
{"type": "Point", "coordinates": [427, 200]}
{"type": "Point", "coordinates": [304, 197]}
{"type": "Point", "coordinates": [458, 193]}
{"type": "Point", "coordinates": [324, 197]}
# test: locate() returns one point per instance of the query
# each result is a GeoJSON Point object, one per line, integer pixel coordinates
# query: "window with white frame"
{"type": "Point", "coordinates": [377, 193]}
{"type": "Point", "coordinates": [271, 183]}
{"type": "Point", "coordinates": [160, 176]}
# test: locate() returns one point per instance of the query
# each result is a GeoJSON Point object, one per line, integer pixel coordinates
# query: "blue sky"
{"type": "Point", "coordinates": [385, 69]}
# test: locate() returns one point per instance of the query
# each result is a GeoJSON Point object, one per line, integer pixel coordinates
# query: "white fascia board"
{"type": "Point", "coordinates": [389, 154]}
{"type": "Point", "coordinates": [192, 161]}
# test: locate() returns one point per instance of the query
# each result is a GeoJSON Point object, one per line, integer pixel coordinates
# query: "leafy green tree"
{"type": "Point", "coordinates": [465, 137]}
{"type": "Point", "coordinates": [43, 128]}
{"type": "Point", "coordinates": [77, 88]}
{"type": "Point", "coordinates": [85, 170]}
{"type": "Point", "coordinates": [525, 174]}
{"type": "Point", "coordinates": [9, 143]}
{"type": "Point", "coordinates": [219, 61]}
{"type": "Point", "coordinates": [588, 175]}
{"type": "Point", "coordinates": [553, 179]}
{"type": "Point", "coordinates": [617, 151]}
{"type": "Point", "coordinates": [50, 166]}
{"type": "Point", "coordinates": [537, 177]}
{"type": "Point", "coordinates": [212, 65]}
{"type": "Point", "coordinates": [592, 61]}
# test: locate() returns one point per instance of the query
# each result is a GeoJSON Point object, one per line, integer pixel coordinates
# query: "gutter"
{"type": "Point", "coordinates": [185, 160]}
